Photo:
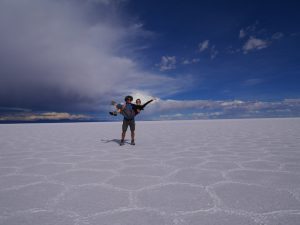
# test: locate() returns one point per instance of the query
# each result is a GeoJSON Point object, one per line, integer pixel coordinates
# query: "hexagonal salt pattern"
{"type": "Point", "coordinates": [175, 198]}
{"type": "Point", "coordinates": [28, 197]}
{"type": "Point", "coordinates": [131, 217]}
{"type": "Point", "coordinates": [216, 218]}
{"type": "Point", "coordinates": [13, 181]}
{"type": "Point", "coordinates": [47, 168]}
{"type": "Point", "coordinates": [196, 176]}
{"type": "Point", "coordinates": [253, 198]}
{"type": "Point", "coordinates": [133, 182]}
{"type": "Point", "coordinates": [39, 217]}
{"type": "Point", "coordinates": [227, 172]}
{"type": "Point", "coordinates": [80, 177]}
{"type": "Point", "coordinates": [266, 178]}
{"type": "Point", "coordinates": [282, 219]}
{"type": "Point", "coordinates": [147, 170]}
{"type": "Point", "coordinates": [87, 200]}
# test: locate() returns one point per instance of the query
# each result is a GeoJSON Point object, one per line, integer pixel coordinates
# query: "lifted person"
{"type": "Point", "coordinates": [139, 106]}
{"type": "Point", "coordinates": [136, 107]}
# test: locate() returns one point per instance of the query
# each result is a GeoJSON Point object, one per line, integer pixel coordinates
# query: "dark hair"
{"type": "Point", "coordinates": [128, 97]}
{"type": "Point", "coordinates": [138, 100]}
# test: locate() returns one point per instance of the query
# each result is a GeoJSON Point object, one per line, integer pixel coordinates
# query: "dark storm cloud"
{"type": "Point", "coordinates": [68, 55]}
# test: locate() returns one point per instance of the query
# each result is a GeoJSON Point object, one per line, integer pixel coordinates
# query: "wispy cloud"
{"type": "Point", "coordinates": [295, 34]}
{"type": "Point", "coordinates": [167, 63]}
{"type": "Point", "coordinates": [232, 50]}
{"type": "Point", "coordinates": [253, 81]}
{"type": "Point", "coordinates": [249, 30]}
{"type": "Point", "coordinates": [242, 33]}
{"type": "Point", "coordinates": [206, 46]}
{"type": "Point", "coordinates": [13, 109]}
{"type": "Point", "coordinates": [203, 45]}
{"type": "Point", "coordinates": [192, 61]}
{"type": "Point", "coordinates": [213, 52]}
{"type": "Point", "coordinates": [277, 36]}
{"type": "Point", "coordinates": [254, 43]}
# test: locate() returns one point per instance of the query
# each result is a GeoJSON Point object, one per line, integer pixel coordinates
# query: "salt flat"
{"type": "Point", "coordinates": [214, 172]}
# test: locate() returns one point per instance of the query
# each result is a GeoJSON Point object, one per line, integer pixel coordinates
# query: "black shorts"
{"type": "Point", "coordinates": [130, 123]}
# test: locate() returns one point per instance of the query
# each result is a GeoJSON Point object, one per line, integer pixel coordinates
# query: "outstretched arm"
{"type": "Point", "coordinates": [144, 105]}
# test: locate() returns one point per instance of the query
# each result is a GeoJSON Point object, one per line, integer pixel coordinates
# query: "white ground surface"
{"type": "Point", "coordinates": [222, 172]}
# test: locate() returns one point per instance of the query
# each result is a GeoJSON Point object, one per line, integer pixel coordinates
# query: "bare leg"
{"type": "Point", "coordinates": [123, 136]}
{"type": "Point", "coordinates": [117, 109]}
{"type": "Point", "coordinates": [132, 138]}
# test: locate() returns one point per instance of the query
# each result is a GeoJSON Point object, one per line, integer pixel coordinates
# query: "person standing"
{"type": "Point", "coordinates": [128, 111]}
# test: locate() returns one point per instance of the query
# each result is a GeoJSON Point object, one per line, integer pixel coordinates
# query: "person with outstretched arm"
{"type": "Point", "coordinates": [138, 105]}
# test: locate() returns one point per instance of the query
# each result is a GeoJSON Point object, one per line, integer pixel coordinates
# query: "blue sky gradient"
{"type": "Point", "coordinates": [269, 73]}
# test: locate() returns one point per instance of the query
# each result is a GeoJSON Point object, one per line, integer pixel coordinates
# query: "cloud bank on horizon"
{"type": "Point", "coordinates": [67, 59]}
{"type": "Point", "coordinates": [209, 109]}
{"type": "Point", "coordinates": [180, 110]}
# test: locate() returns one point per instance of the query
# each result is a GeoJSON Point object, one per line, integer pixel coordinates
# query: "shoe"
{"type": "Point", "coordinates": [113, 113]}
{"type": "Point", "coordinates": [122, 142]}
{"type": "Point", "coordinates": [132, 142]}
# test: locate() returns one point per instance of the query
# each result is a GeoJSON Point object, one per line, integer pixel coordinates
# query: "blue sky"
{"type": "Point", "coordinates": [201, 59]}
{"type": "Point", "coordinates": [269, 71]}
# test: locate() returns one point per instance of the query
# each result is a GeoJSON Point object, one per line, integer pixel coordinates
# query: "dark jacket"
{"type": "Point", "coordinates": [140, 107]}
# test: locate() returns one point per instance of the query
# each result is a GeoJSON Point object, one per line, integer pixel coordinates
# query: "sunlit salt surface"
{"type": "Point", "coordinates": [214, 172]}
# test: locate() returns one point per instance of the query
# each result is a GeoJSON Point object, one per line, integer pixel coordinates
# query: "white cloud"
{"type": "Point", "coordinates": [192, 61]}
{"type": "Point", "coordinates": [206, 46]}
{"type": "Point", "coordinates": [142, 95]}
{"type": "Point", "coordinates": [213, 52]}
{"type": "Point", "coordinates": [203, 45]}
{"type": "Point", "coordinates": [167, 63]}
{"type": "Point", "coordinates": [277, 36]}
{"type": "Point", "coordinates": [255, 44]}
{"type": "Point", "coordinates": [232, 50]}
{"type": "Point", "coordinates": [226, 109]}
{"type": "Point", "coordinates": [191, 116]}
{"type": "Point", "coordinates": [172, 116]}
{"type": "Point", "coordinates": [249, 30]}
{"type": "Point", "coordinates": [231, 103]}
{"type": "Point", "coordinates": [186, 62]}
